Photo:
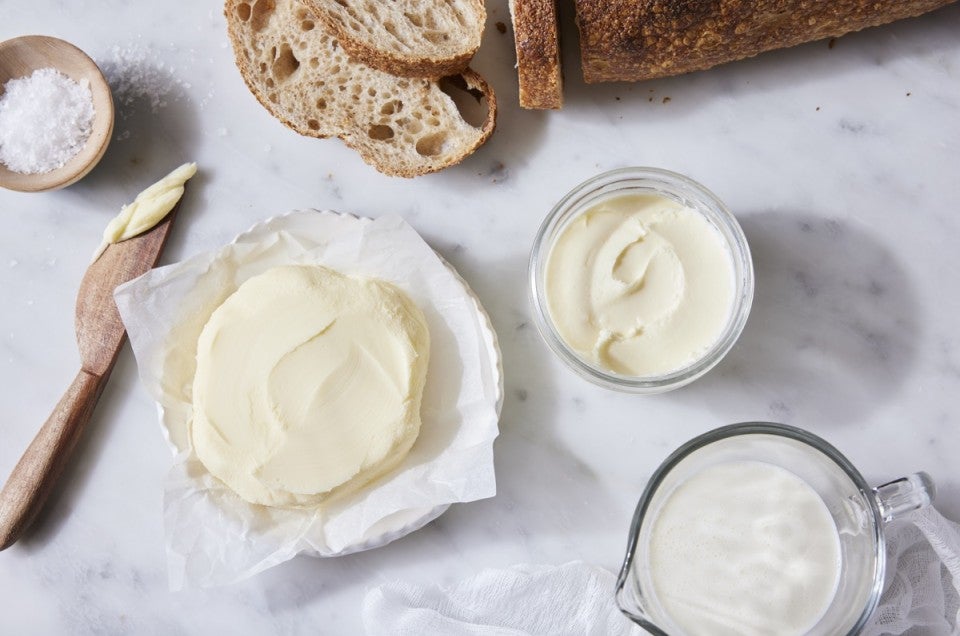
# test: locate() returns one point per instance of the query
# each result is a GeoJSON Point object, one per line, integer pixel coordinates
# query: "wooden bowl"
{"type": "Point", "coordinates": [20, 57]}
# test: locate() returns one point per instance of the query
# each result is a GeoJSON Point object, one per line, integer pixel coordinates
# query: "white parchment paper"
{"type": "Point", "coordinates": [213, 536]}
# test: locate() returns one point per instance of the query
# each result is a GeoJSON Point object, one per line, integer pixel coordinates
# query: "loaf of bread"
{"type": "Point", "coordinates": [634, 40]}
{"type": "Point", "coordinates": [414, 38]}
{"type": "Point", "coordinates": [300, 73]}
{"type": "Point", "coordinates": [537, 39]}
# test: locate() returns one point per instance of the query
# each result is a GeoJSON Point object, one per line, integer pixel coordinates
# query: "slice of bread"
{"type": "Point", "coordinates": [413, 38]}
{"type": "Point", "coordinates": [537, 38]}
{"type": "Point", "coordinates": [300, 73]}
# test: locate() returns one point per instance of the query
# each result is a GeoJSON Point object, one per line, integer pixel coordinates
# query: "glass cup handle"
{"type": "Point", "coordinates": [898, 497]}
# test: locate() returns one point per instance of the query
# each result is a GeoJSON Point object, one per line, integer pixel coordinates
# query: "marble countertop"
{"type": "Point", "coordinates": [841, 162]}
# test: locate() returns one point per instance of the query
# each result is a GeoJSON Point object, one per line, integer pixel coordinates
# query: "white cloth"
{"type": "Point", "coordinates": [575, 598]}
{"type": "Point", "coordinates": [921, 595]}
{"type": "Point", "coordinates": [922, 589]}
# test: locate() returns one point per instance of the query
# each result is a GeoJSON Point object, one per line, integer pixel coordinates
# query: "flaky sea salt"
{"type": "Point", "coordinates": [135, 74]}
{"type": "Point", "coordinates": [45, 119]}
{"type": "Point", "coordinates": [140, 83]}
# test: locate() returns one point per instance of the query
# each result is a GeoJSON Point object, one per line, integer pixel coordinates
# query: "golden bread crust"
{"type": "Point", "coordinates": [537, 39]}
{"type": "Point", "coordinates": [634, 40]}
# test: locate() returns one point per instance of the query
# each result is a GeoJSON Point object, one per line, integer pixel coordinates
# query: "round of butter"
{"type": "Point", "coordinates": [308, 382]}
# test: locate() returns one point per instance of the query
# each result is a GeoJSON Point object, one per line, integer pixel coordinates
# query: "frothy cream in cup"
{"type": "Point", "coordinates": [760, 528]}
{"type": "Point", "coordinates": [744, 548]}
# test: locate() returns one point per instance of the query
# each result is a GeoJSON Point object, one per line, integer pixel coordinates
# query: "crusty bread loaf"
{"type": "Point", "coordinates": [537, 38]}
{"type": "Point", "coordinates": [401, 126]}
{"type": "Point", "coordinates": [636, 40]}
{"type": "Point", "coordinates": [413, 38]}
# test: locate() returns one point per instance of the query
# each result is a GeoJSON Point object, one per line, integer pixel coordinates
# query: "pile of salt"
{"type": "Point", "coordinates": [45, 119]}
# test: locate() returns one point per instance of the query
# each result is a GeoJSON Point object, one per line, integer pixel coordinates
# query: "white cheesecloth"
{"type": "Point", "coordinates": [921, 594]}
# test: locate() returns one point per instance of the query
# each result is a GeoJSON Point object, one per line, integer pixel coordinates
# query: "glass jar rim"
{"type": "Point", "coordinates": [677, 187]}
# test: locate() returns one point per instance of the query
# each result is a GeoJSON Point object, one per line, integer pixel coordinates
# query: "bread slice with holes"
{"type": "Point", "coordinates": [537, 39]}
{"type": "Point", "coordinates": [401, 126]}
{"type": "Point", "coordinates": [413, 38]}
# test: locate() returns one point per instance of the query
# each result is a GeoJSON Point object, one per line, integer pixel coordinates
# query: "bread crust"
{"type": "Point", "coordinates": [391, 62]}
{"type": "Point", "coordinates": [634, 40]}
{"type": "Point", "coordinates": [537, 40]}
{"type": "Point", "coordinates": [388, 62]}
{"type": "Point", "coordinates": [348, 131]}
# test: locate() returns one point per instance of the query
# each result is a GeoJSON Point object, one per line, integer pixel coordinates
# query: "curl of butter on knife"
{"type": "Point", "coordinates": [148, 209]}
{"type": "Point", "coordinates": [134, 241]}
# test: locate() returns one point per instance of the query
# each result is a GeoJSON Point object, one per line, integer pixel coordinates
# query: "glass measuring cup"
{"type": "Point", "coordinates": [858, 511]}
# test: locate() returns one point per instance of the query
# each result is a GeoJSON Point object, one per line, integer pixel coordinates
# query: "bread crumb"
{"type": "Point", "coordinates": [818, 108]}
{"type": "Point", "coordinates": [666, 100]}
{"type": "Point", "coordinates": [649, 99]}
{"type": "Point", "coordinates": [498, 172]}
{"type": "Point", "coordinates": [908, 94]}
{"type": "Point", "coordinates": [831, 43]}
{"type": "Point", "coordinates": [501, 27]}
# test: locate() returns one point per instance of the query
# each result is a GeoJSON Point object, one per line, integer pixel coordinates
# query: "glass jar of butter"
{"type": "Point", "coordinates": [641, 280]}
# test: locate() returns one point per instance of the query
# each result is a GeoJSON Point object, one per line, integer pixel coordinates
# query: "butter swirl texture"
{"type": "Point", "coordinates": [308, 383]}
{"type": "Point", "coordinates": [640, 284]}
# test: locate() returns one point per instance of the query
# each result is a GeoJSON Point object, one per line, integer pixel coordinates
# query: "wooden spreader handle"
{"type": "Point", "coordinates": [35, 475]}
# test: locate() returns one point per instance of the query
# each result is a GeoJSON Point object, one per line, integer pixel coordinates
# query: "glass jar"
{"type": "Point", "coordinates": [650, 181]}
{"type": "Point", "coordinates": [859, 512]}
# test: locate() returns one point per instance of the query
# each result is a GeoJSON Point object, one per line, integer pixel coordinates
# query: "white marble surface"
{"type": "Point", "coordinates": [842, 164]}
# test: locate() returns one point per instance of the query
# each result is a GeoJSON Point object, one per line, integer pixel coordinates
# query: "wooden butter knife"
{"type": "Point", "coordinates": [100, 335]}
